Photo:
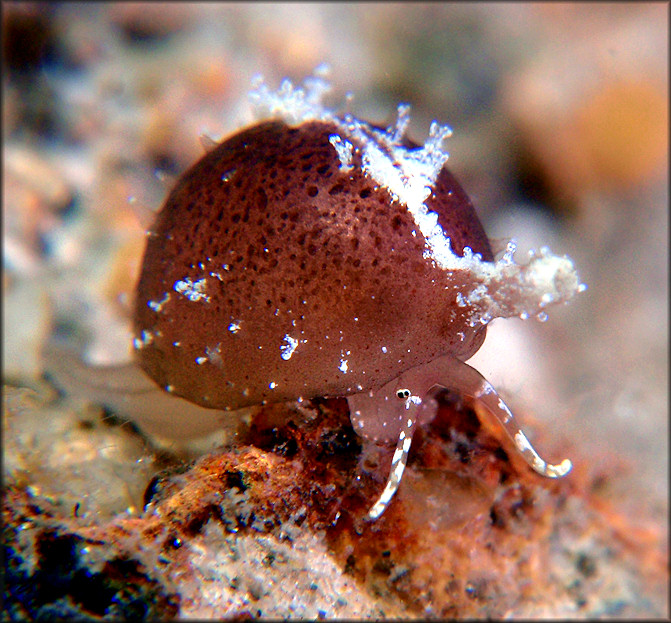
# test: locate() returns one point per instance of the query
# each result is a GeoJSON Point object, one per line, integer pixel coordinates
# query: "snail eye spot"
{"type": "Point", "coordinates": [403, 394]}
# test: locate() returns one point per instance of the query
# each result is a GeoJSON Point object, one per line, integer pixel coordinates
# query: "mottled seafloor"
{"type": "Point", "coordinates": [560, 119]}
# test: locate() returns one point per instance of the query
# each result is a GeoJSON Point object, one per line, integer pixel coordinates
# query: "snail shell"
{"type": "Point", "coordinates": [272, 274]}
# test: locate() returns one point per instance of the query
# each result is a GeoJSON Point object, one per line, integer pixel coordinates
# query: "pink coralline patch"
{"type": "Point", "coordinates": [472, 532]}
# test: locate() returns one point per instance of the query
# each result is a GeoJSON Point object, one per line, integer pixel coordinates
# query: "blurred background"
{"type": "Point", "coordinates": [560, 120]}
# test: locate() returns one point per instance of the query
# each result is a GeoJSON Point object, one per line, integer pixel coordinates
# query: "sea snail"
{"type": "Point", "coordinates": [312, 255]}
